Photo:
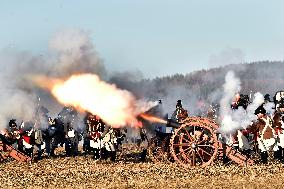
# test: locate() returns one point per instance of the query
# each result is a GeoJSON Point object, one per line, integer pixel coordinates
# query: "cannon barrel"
{"type": "Point", "coordinates": [173, 123]}
{"type": "Point", "coordinates": [153, 119]}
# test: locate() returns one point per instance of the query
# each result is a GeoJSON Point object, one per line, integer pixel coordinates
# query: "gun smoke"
{"type": "Point", "coordinates": [232, 120]}
{"type": "Point", "coordinates": [71, 52]}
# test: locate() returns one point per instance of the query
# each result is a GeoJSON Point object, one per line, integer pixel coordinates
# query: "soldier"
{"type": "Point", "coordinates": [69, 138]}
{"type": "Point", "coordinates": [119, 136]}
{"type": "Point", "coordinates": [93, 132]}
{"type": "Point", "coordinates": [71, 134]}
{"type": "Point", "coordinates": [108, 137]}
{"type": "Point", "coordinates": [91, 124]}
{"type": "Point", "coordinates": [13, 126]}
{"type": "Point", "coordinates": [278, 120]}
{"type": "Point", "coordinates": [38, 140]}
{"type": "Point", "coordinates": [42, 138]}
{"type": "Point", "coordinates": [245, 141]}
{"type": "Point", "coordinates": [96, 129]}
{"type": "Point", "coordinates": [180, 113]}
{"type": "Point", "coordinates": [49, 136]}
{"type": "Point", "coordinates": [103, 140]}
{"type": "Point", "coordinates": [26, 133]}
{"type": "Point", "coordinates": [143, 143]}
{"type": "Point", "coordinates": [8, 136]}
{"type": "Point", "coordinates": [265, 131]}
{"type": "Point", "coordinates": [58, 130]}
{"type": "Point", "coordinates": [241, 100]}
{"type": "Point", "coordinates": [56, 135]}
{"type": "Point", "coordinates": [15, 134]}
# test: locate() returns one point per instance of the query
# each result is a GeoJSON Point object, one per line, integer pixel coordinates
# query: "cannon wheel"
{"type": "Point", "coordinates": [195, 143]}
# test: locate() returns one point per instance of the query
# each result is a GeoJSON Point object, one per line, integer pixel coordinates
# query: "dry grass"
{"type": "Point", "coordinates": [81, 172]}
{"type": "Point", "coordinates": [84, 172]}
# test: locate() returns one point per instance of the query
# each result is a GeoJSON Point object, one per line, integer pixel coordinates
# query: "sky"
{"type": "Point", "coordinates": [156, 37]}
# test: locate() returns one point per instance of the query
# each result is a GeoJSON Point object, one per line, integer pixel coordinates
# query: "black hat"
{"type": "Point", "coordinates": [179, 103]}
{"type": "Point", "coordinates": [260, 110]}
{"type": "Point", "coordinates": [267, 97]}
{"type": "Point", "coordinates": [12, 123]}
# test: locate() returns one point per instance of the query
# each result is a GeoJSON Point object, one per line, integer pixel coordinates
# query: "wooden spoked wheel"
{"type": "Point", "coordinates": [194, 143]}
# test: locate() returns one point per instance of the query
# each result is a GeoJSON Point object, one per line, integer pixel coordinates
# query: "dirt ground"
{"type": "Point", "coordinates": [84, 172]}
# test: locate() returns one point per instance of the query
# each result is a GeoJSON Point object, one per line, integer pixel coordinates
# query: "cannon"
{"type": "Point", "coordinates": [7, 150]}
{"type": "Point", "coordinates": [194, 141]}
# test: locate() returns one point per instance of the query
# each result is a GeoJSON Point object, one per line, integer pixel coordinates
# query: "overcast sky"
{"type": "Point", "coordinates": [157, 37]}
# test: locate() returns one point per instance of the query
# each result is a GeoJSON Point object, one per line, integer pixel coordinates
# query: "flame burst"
{"type": "Point", "coordinates": [152, 118]}
{"type": "Point", "coordinates": [115, 106]}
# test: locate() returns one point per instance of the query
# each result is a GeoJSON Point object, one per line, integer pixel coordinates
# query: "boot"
{"type": "Point", "coordinates": [39, 155]}
{"type": "Point", "coordinates": [143, 155]}
{"type": "Point", "coordinates": [113, 156]}
{"type": "Point", "coordinates": [281, 154]}
{"type": "Point", "coordinates": [104, 154]}
{"type": "Point", "coordinates": [68, 148]}
{"type": "Point", "coordinates": [96, 154]}
{"type": "Point", "coordinates": [29, 152]}
{"type": "Point", "coordinates": [264, 157]}
{"type": "Point", "coordinates": [277, 155]}
{"type": "Point", "coordinates": [52, 154]}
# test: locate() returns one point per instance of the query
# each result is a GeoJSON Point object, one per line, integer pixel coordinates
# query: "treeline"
{"type": "Point", "coordinates": [264, 77]}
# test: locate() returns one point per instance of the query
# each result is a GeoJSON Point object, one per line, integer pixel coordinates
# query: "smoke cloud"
{"type": "Point", "coordinates": [232, 120]}
{"type": "Point", "coordinates": [16, 98]}
{"type": "Point", "coordinates": [231, 87]}
{"type": "Point", "coordinates": [71, 52]}
{"type": "Point", "coordinates": [75, 54]}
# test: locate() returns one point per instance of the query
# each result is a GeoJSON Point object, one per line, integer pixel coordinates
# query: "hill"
{"type": "Point", "coordinates": [206, 85]}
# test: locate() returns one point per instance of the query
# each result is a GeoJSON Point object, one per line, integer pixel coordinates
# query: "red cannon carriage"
{"type": "Point", "coordinates": [194, 142]}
